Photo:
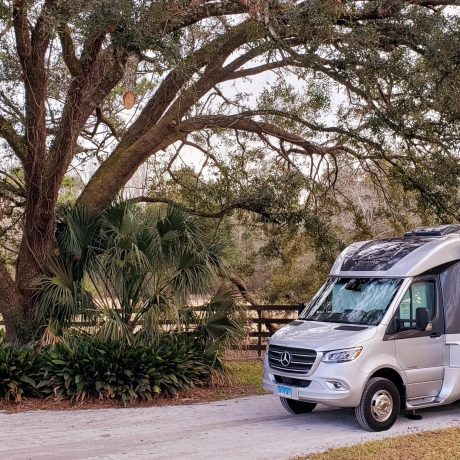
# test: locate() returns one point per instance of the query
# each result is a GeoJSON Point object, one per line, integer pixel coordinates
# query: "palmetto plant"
{"type": "Point", "coordinates": [130, 272]}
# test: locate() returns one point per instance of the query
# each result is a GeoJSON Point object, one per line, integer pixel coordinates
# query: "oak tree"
{"type": "Point", "coordinates": [69, 67]}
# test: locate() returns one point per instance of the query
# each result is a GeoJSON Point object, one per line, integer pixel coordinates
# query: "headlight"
{"type": "Point", "coordinates": [342, 356]}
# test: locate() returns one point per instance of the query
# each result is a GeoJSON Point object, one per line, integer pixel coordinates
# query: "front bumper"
{"type": "Point", "coordinates": [318, 390]}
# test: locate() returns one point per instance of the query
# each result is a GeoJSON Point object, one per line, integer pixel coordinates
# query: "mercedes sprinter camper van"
{"type": "Point", "coordinates": [382, 334]}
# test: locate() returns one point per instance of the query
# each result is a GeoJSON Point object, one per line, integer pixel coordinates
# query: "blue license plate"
{"type": "Point", "coordinates": [285, 392]}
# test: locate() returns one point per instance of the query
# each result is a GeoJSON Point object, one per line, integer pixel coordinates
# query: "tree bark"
{"type": "Point", "coordinates": [10, 305]}
{"type": "Point", "coordinates": [36, 247]}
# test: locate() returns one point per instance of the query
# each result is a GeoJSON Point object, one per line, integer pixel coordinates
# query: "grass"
{"type": "Point", "coordinates": [247, 374]}
{"type": "Point", "coordinates": [439, 445]}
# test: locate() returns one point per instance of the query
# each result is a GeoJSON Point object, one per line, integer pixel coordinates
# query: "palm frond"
{"type": "Point", "coordinates": [75, 233]}
{"type": "Point", "coordinates": [113, 328]}
{"type": "Point", "coordinates": [52, 334]}
{"type": "Point", "coordinates": [59, 295]}
{"type": "Point", "coordinates": [224, 320]}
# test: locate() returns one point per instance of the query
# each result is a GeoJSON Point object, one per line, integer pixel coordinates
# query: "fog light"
{"type": "Point", "coordinates": [336, 385]}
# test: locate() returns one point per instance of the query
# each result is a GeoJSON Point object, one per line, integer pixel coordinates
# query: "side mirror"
{"type": "Point", "coordinates": [300, 308]}
{"type": "Point", "coordinates": [422, 319]}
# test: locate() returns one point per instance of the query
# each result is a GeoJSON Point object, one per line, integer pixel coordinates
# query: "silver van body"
{"type": "Point", "coordinates": [332, 353]}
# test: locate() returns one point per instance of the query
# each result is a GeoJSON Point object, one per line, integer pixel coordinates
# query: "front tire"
{"type": "Point", "coordinates": [297, 407]}
{"type": "Point", "coordinates": [379, 406]}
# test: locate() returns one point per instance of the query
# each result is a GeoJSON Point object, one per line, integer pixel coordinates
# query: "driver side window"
{"type": "Point", "coordinates": [421, 294]}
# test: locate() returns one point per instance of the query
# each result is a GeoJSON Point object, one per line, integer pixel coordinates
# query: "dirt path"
{"type": "Point", "coordinates": [247, 428]}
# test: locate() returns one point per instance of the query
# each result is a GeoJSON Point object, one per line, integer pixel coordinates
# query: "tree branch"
{"type": "Point", "coordinates": [155, 130]}
{"type": "Point", "coordinates": [41, 31]}
{"type": "Point", "coordinates": [256, 70]}
{"type": "Point", "coordinates": [195, 13]}
{"type": "Point", "coordinates": [21, 30]}
{"type": "Point", "coordinates": [68, 50]}
{"type": "Point", "coordinates": [226, 210]}
{"type": "Point", "coordinates": [240, 285]}
{"type": "Point", "coordinates": [15, 141]}
{"type": "Point", "coordinates": [173, 83]}
{"type": "Point", "coordinates": [101, 118]}
{"type": "Point", "coordinates": [194, 212]}
{"type": "Point", "coordinates": [101, 72]}
{"type": "Point", "coordinates": [242, 122]}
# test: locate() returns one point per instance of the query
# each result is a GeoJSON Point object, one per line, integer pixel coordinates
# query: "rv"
{"type": "Point", "coordinates": [382, 335]}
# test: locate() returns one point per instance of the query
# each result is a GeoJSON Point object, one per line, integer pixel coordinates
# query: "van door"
{"type": "Point", "coordinates": [420, 353]}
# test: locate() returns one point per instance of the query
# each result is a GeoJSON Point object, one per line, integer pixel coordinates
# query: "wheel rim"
{"type": "Point", "coordinates": [382, 405]}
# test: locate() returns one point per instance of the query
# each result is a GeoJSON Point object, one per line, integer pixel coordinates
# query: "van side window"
{"type": "Point", "coordinates": [419, 295]}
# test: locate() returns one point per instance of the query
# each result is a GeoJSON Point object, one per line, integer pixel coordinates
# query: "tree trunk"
{"type": "Point", "coordinates": [37, 245]}
{"type": "Point", "coordinates": [10, 305]}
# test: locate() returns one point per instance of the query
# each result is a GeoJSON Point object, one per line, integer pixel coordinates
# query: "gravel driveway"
{"type": "Point", "coordinates": [247, 428]}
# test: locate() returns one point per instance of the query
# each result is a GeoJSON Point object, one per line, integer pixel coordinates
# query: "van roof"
{"type": "Point", "coordinates": [420, 251]}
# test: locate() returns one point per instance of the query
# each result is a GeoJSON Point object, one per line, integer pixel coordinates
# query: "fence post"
{"type": "Point", "coordinates": [259, 330]}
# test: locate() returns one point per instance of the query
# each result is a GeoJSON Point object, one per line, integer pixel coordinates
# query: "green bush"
{"type": "Point", "coordinates": [186, 358]}
{"type": "Point", "coordinates": [106, 370]}
{"type": "Point", "coordinates": [19, 369]}
{"type": "Point", "coordinates": [115, 369]}
{"type": "Point", "coordinates": [86, 366]}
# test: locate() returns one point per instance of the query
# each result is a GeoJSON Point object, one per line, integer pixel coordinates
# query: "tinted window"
{"type": "Point", "coordinates": [420, 294]}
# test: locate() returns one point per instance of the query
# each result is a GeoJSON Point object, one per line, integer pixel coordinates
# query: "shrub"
{"type": "Point", "coordinates": [88, 366]}
{"type": "Point", "coordinates": [186, 358]}
{"type": "Point", "coordinates": [114, 369]}
{"type": "Point", "coordinates": [19, 369]}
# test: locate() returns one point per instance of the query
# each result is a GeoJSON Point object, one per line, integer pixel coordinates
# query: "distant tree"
{"type": "Point", "coordinates": [67, 64]}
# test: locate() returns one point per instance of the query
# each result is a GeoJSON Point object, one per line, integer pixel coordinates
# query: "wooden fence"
{"type": "Point", "coordinates": [266, 319]}
{"type": "Point", "coordinates": [263, 321]}
{"type": "Point", "coordinates": [270, 316]}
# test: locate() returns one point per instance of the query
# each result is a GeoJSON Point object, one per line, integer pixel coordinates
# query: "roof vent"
{"type": "Point", "coordinates": [439, 230]}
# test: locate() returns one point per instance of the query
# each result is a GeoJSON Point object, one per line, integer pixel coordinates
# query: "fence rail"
{"type": "Point", "coordinates": [278, 316]}
{"type": "Point", "coordinates": [275, 316]}
{"type": "Point", "coordinates": [267, 315]}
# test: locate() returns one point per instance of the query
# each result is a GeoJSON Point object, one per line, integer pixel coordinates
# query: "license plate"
{"type": "Point", "coordinates": [285, 392]}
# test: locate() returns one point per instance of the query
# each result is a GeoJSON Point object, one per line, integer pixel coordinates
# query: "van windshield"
{"type": "Point", "coordinates": [352, 300]}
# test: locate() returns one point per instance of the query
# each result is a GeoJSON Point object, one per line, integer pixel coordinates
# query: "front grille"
{"type": "Point", "coordinates": [300, 360]}
{"type": "Point", "coordinates": [292, 381]}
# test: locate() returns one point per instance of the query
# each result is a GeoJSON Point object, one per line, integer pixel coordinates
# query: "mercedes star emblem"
{"type": "Point", "coordinates": [285, 358]}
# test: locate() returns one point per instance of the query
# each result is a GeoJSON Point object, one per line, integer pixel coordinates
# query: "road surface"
{"type": "Point", "coordinates": [247, 428]}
